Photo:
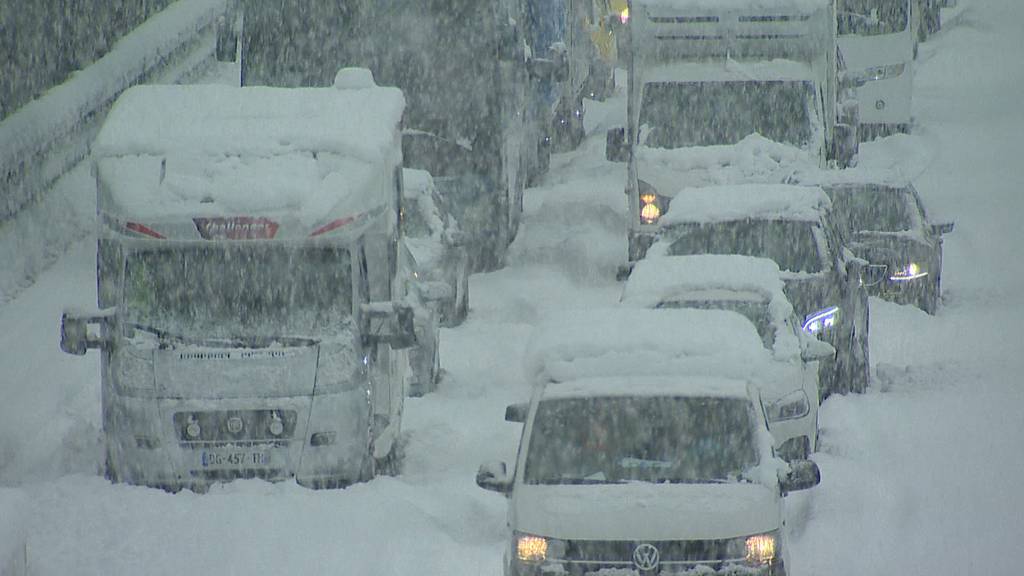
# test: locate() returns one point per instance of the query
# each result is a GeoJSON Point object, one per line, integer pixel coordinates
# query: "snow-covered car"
{"type": "Point", "coordinates": [423, 296]}
{"type": "Point", "coordinates": [465, 190]}
{"type": "Point", "coordinates": [886, 224]}
{"type": "Point", "coordinates": [792, 225]}
{"type": "Point", "coordinates": [436, 242]}
{"type": "Point", "coordinates": [664, 475]}
{"type": "Point", "coordinates": [751, 287]}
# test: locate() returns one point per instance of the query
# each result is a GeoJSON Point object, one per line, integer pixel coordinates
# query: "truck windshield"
{"type": "Point", "coordinates": [680, 114]}
{"type": "Point", "coordinates": [791, 244]}
{"type": "Point", "coordinates": [617, 439]}
{"type": "Point", "coordinates": [251, 290]}
{"type": "Point", "coordinates": [873, 17]}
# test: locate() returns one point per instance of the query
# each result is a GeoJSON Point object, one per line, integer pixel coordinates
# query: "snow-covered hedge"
{"type": "Point", "coordinates": [47, 138]}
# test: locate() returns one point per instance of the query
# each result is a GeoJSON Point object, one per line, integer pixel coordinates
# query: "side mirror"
{"type": "Point", "coordinates": [616, 148]}
{"type": "Point", "coordinates": [494, 476]}
{"type": "Point", "coordinates": [845, 145]}
{"type": "Point", "coordinates": [553, 70]}
{"type": "Point", "coordinates": [74, 332]}
{"type": "Point", "coordinates": [873, 274]}
{"type": "Point", "coordinates": [389, 323]}
{"type": "Point", "coordinates": [454, 238]}
{"type": "Point", "coordinates": [803, 474]}
{"type": "Point", "coordinates": [433, 291]}
{"type": "Point", "coordinates": [516, 412]}
{"type": "Point", "coordinates": [942, 228]}
{"type": "Point", "coordinates": [816, 350]}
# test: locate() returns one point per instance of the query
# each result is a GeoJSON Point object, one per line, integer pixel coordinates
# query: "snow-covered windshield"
{"type": "Point", "coordinates": [251, 290]}
{"type": "Point", "coordinates": [878, 209]}
{"type": "Point", "coordinates": [606, 440]}
{"type": "Point", "coordinates": [679, 114]}
{"type": "Point", "coordinates": [790, 243]}
{"type": "Point", "coordinates": [754, 310]}
{"type": "Point", "coordinates": [873, 17]}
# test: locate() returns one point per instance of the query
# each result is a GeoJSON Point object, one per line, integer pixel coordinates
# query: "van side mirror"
{"type": "Point", "coordinates": [803, 474]}
{"type": "Point", "coordinates": [516, 412]}
{"type": "Point", "coordinates": [942, 228]}
{"type": "Point", "coordinates": [75, 337]}
{"type": "Point", "coordinates": [816, 350]}
{"type": "Point", "coordinates": [616, 148]}
{"type": "Point", "coordinates": [389, 323]}
{"type": "Point", "coordinates": [845, 145]}
{"type": "Point", "coordinates": [494, 476]}
{"type": "Point", "coordinates": [873, 274]}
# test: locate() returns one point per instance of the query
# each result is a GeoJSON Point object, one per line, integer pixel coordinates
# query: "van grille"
{"type": "Point", "coordinates": [255, 426]}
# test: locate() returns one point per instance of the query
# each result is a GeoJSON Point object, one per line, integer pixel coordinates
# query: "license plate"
{"type": "Point", "coordinates": [235, 459]}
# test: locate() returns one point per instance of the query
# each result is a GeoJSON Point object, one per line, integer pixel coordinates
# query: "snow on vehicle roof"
{"type": "Point", "coordinates": [710, 386]}
{"type": "Point", "coordinates": [199, 120]}
{"type": "Point", "coordinates": [717, 6]}
{"type": "Point", "coordinates": [659, 279]}
{"type": "Point", "coordinates": [168, 152]}
{"type": "Point", "coordinates": [632, 342]}
{"type": "Point", "coordinates": [743, 201]}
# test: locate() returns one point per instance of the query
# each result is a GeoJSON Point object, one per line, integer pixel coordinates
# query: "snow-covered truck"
{"type": "Point", "coordinates": [707, 74]}
{"type": "Point", "coordinates": [253, 318]}
{"type": "Point", "coordinates": [467, 72]}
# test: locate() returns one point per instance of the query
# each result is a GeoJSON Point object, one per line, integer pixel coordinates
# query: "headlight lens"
{"type": "Point", "coordinates": [536, 549]}
{"type": "Point", "coordinates": [790, 406]}
{"type": "Point", "coordinates": [822, 320]}
{"type": "Point", "coordinates": [652, 207]}
{"type": "Point", "coordinates": [761, 548]}
{"type": "Point", "coordinates": [911, 271]}
{"type": "Point", "coordinates": [883, 72]}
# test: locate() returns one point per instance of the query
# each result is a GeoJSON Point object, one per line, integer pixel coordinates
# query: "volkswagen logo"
{"type": "Point", "coordinates": [646, 557]}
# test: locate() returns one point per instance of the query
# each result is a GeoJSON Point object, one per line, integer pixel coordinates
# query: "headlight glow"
{"type": "Point", "coordinates": [790, 406]}
{"type": "Point", "coordinates": [911, 271]}
{"type": "Point", "coordinates": [531, 548]}
{"type": "Point", "coordinates": [624, 15]}
{"type": "Point", "coordinates": [761, 548]}
{"type": "Point", "coordinates": [820, 321]}
{"type": "Point", "coordinates": [650, 210]}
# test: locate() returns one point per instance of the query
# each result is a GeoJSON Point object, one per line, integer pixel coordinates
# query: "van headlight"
{"type": "Point", "coordinates": [756, 550]}
{"type": "Point", "coordinates": [911, 271]}
{"type": "Point", "coordinates": [820, 321]}
{"type": "Point", "coordinates": [792, 405]}
{"type": "Point", "coordinates": [533, 549]}
{"type": "Point", "coordinates": [884, 72]}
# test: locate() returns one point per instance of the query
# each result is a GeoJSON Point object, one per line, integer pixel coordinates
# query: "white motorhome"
{"type": "Point", "coordinates": [253, 319]}
{"type": "Point", "coordinates": [878, 42]}
{"type": "Point", "coordinates": [706, 74]}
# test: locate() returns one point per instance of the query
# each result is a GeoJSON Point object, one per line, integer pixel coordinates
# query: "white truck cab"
{"type": "Point", "coordinates": [253, 319]}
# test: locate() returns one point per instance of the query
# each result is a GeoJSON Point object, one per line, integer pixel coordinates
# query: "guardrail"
{"type": "Point", "coordinates": [45, 139]}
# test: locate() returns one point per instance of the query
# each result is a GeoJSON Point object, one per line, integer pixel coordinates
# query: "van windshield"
{"type": "Point", "coordinates": [606, 440]}
{"type": "Point", "coordinates": [877, 209]}
{"type": "Point", "coordinates": [873, 17]}
{"type": "Point", "coordinates": [247, 290]}
{"type": "Point", "coordinates": [677, 114]}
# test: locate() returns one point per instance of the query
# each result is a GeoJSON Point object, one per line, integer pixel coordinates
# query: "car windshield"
{"type": "Point", "coordinates": [790, 243]}
{"type": "Point", "coordinates": [873, 17]}
{"type": "Point", "coordinates": [754, 310]}
{"type": "Point", "coordinates": [677, 114]}
{"type": "Point", "coordinates": [246, 290]}
{"type": "Point", "coordinates": [877, 209]}
{"type": "Point", "coordinates": [604, 440]}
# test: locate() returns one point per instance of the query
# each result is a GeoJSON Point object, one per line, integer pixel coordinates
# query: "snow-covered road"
{"type": "Point", "coordinates": [920, 475]}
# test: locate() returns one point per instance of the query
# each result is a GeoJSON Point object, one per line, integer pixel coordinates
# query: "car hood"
{"type": "Point", "coordinates": [643, 511]}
